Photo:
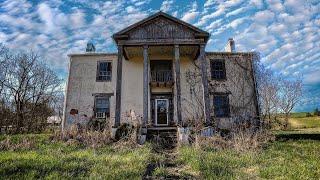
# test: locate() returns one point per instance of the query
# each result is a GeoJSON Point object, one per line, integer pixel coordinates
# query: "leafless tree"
{"type": "Point", "coordinates": [289, 95]}
{"type": "Point", "coordinates": [268, 88]}
{"type": "Point", "coordinates": [30, 86]}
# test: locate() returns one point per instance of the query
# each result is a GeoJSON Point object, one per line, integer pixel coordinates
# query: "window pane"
{"type": "Point", "coordinates": [102, 105]}
{"type": "Point", "coordinates": [221, 106]}
{"type": "Point", "coordinates": [104, 71]}
{"type": "Point", "coordinates": [217, 69]}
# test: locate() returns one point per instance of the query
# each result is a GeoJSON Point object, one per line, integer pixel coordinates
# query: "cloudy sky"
{"type": "Point", "coordinates": [285, 32]}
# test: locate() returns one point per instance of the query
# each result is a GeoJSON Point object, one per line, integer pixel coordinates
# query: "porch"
{"type": "Point", "coordinates": [160, 42]}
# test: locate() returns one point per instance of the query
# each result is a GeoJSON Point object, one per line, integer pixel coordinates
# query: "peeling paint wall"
{"type": "Point", "coordinates": [82, 85]}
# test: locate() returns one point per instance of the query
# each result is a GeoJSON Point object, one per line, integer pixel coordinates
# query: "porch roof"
{"type": "Point", "coordinates": [161, 29]}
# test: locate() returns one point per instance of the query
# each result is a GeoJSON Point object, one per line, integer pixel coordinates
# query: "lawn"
{"type": "Point", "coordinates": [282, 159]}
{"type": "Point", "coordinates": [60, 161]}
{"type": "Point", "coordinates": [299, 159]}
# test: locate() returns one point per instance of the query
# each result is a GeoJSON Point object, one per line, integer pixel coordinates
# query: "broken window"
{"type": "Point", "coordinates": [102, 107]}
{"type": "Point", "coordinates": [221, 105]}
{"type": "Point", "coordinates": [104, 71]}
{"type": "Point", "coordinates": [218, 70]}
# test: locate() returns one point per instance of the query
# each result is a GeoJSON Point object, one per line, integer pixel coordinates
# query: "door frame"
{"type": "Point", "coordinates": [156, 112]}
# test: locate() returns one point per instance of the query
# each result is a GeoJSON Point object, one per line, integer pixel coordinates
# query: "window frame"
{"type": "Point", "coordinates": [227, 104]}
{"type": "Point", "coordinates": [107, 115]}
{"type": "Point", "coordinates": [223, 69]}
{"type": "Point", "coordinates": [98, 71]}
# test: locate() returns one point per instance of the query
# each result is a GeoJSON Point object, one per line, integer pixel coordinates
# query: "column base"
{"type": "Point", "coordinates": [141, 139]}
{"type": "Point", "coordinates": [183, 135]}
{"type": "Point", "coordinates": [113, 132]}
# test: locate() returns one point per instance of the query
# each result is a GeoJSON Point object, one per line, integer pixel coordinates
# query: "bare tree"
{"type": "Point", "coordinates": [268, 88]}
{"type": "Point", "coordinates": [289, 95]}
{"type": "Point", "coordinates": [30, 86]}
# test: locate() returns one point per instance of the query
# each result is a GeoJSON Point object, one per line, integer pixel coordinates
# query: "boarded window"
{"type": "Point", "coordinates": [221, 106]}
{"type": "Point", "coordinates": [104, 71]}
{"type": "Point", "coordinates": [218, 70]}
{"type": "Point", "coordinates": [102, 107]}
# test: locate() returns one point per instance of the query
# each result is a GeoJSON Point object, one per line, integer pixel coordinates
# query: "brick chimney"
{"type": "Point", "coordinates": [230, 46]}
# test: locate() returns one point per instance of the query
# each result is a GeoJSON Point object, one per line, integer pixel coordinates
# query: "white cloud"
{"type": "Point", "coordinates": [166, 5]}
{"type": "Point", "coordinates": [264, 17]}
{"type": "Point", "coordinates": [190, 16]}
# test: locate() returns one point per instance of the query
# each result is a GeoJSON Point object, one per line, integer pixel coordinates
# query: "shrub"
{"type": "Point", "coordinates": [78, 136]}
{"type": "Point", "coordinates": [24, 143]}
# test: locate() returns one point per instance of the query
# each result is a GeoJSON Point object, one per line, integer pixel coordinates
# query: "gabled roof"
{"type": "Point", "coordinates": [199, 32]}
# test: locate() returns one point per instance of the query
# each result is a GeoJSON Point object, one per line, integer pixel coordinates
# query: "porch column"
{"type": "Point", "coordinates": [118, 87]}
{"type": "Point", "coordinates": [177, 85]}
{"type": "Point", "coordinates": [204, 75]}
{"type": "Point", "coordinates": [145, 85]}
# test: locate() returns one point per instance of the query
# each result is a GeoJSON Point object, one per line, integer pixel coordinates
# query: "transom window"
{"type": "Point", "coordinates": [102, 107]}
{"type": "Point", "coordinates": [218, 70]}
{"type": "Point", "coordinates": [104, 71]}
{"type": "Point", "coordinates": [221, 106]}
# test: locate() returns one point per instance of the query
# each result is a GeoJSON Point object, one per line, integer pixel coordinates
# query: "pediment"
{"type": "Point", "coordinates": [161, 26]}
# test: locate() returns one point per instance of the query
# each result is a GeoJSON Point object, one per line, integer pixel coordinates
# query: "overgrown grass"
{"type": "Point", "coordinates": [298, 159]}
{"type": "Point", "coordinates": [60, 161]}
{"type": "Point", "coordinates": [281, 160]}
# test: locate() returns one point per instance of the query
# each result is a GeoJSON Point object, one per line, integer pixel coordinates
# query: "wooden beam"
{"type": "Point", "coordinates": [204, 75]}
{"type": "Point", "coordinates": [157, 42]}
{"type": "Point", "coordinates": [118, 87]}
{"type": "Point", "coordinates": [177, 83]}
{"type": "Point", "coordinates": [145, 85]}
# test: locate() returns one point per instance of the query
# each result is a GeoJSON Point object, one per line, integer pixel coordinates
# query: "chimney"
{"type": "Point", "coordinates": [90, 47]}
{"type": "Point", "coordinates": [230, 47]}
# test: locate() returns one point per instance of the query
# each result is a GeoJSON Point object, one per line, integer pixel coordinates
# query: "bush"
{"type": "Point", "coordinates": [78, 136]}
{"type": "Point", "coordinates": [24, 143]}
{"type": "Point", "coordinates": [245, 135]}
{"type": "Point", "coordinates": [308, 114]}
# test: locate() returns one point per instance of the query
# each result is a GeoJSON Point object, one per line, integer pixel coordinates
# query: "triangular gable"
{"type": "Point", "coordinates": [161, 26]}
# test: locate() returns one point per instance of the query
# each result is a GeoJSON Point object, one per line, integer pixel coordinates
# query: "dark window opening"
{"type": "Point", "coordinates": [102, 107]}
{"type": "Point", "coordinates": [104, 71]}
{"type": "Point", "coordinates": [218, 70]}
{"type": "Point", "coordinates": [221, 106]}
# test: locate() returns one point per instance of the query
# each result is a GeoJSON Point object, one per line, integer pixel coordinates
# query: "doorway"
{"type": "Point", "coordinates": [162, 112]}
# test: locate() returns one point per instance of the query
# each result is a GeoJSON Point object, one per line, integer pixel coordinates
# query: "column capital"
{"type": "Point", "coordinates": [176, 45]}
{"type": "Point", "coordinates": [202, 45]}
{"type": "Point", "coordinates": [145, 46]}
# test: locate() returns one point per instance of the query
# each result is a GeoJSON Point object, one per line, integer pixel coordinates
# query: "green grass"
{"type": "Point", "coordinates": [291, 159]}
{"type": "Point", "coordinates": [304, 122]}
{"type": "Point", "coordinates": [281, 160]}
{"type": "Point", "coordinates": [60, 161]}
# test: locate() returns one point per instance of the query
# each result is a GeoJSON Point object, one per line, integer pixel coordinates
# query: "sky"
{"type": "Point", "coordinates": [285, 32]}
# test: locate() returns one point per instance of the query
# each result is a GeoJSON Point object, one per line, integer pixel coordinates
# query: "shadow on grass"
{"type": "Point", "coordinates": [298, 136]}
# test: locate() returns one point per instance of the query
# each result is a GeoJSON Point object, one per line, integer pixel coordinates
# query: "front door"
{"type": "Point", "coordinates": [161, 112]}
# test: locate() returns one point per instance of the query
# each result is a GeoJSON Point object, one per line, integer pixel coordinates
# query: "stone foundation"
{"type": "Point", "coordinates": [183, 135]}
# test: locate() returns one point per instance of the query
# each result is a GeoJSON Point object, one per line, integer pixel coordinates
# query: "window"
{"type": "Point", "coordinates": [221, 106]}
{"type": "Point", "coordinates": [104, 71]}
{"type": "Point", "coordinates": [218, 70]}
{"type": "Point", "coordinates": [102, 107]}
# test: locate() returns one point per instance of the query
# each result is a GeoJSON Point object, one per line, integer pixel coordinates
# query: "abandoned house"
{"type": "Point", "coordinates": [162, 78]}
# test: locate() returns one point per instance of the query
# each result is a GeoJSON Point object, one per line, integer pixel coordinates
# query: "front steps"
{"type": "Point", "coordinates": [163, 137]}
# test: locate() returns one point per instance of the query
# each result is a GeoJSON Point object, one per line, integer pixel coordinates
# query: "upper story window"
{"type": "Point", "coordinates": [218, 70]}
{"type": "Point", "coordinates": [104, 71]}
{"type": "Point", "coordinates": [221, 105]}
{"type": "Point", "coordinates": [102, 107]}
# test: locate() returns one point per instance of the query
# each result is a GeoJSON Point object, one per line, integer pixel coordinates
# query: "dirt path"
{"type": "Point", "coordinates": [165, 166]}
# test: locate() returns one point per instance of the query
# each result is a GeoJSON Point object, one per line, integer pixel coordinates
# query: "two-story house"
{"type": "Point", "coordinates": [162, 77]}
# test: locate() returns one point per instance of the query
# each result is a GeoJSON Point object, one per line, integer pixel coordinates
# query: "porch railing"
{"type": "Point", "coordinates": [161, 76]}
